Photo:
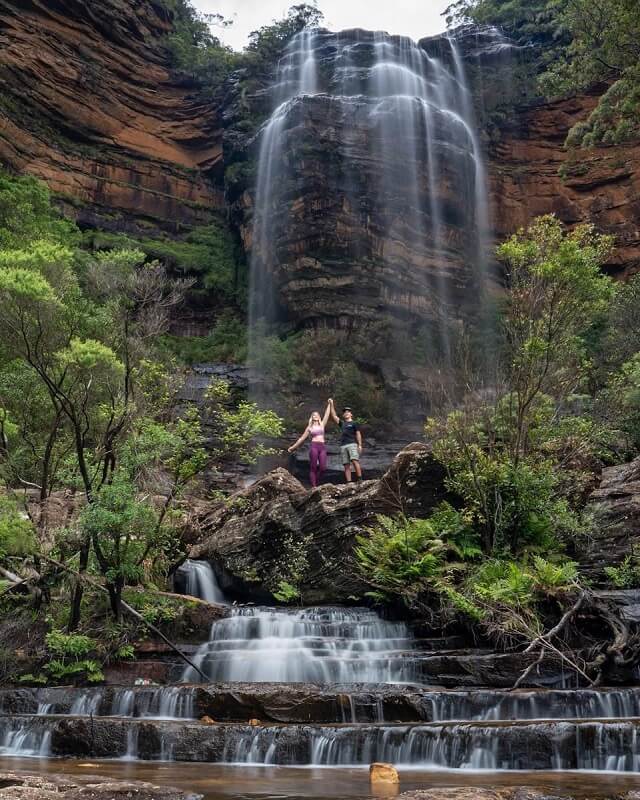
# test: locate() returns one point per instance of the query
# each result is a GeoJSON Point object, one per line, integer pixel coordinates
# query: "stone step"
{"type": "Point", "coordinates": [449, 669]}
{"type": "Point", "coordinates": [587, 744]}
{"type": "Point", "coordinates": [299, 703]}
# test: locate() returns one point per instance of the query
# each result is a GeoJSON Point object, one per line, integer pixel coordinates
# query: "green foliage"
{"type": "Point", "coordinates": [26, 215]}
{"type": "Point", "coordinates": [207, 252]}
{"type": "Point", "coordinates": [401, 557]}
{"type": "Point", "coordinates": [618, 403]}
{"type": "Point", "coordinates": [154, 609]}
{"type": "Point", "coordinates": [194, 48]}
{"type": "Point", "coordinates": [17, 535]}
{"type": "Point", "coordinates": [521, 19]}
{"type": "Point", "coordinates": [627, 574]}
{"type": "Point", "coordinates": [126, 652]}
{"type": "Point", "coordinates": [227, 342]}
{"type": "Point", "coordinates": [286, 593]}
{"type": "Point", "coordinates": [240, 431]}
{"type": "Point", "coordinates": [86, 403]}
{"type": "Point", "coordinates": [517, 464]}
{"type": "Point", "coordinates": [585, 42]}
{"type": "Point", "coordinates": [512, 504]}
{"type": "Point", "coordinates": [267, 44]}
{"type": "Point", "coordinates": [69, 645]}
{"type": "Point", "coordinates": [120, 527]}
{"type": "Point", "coordinates": [70, 659]}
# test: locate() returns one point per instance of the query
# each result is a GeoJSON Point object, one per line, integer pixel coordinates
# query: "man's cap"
{"type": "Point", "coordinates": [347, 408]}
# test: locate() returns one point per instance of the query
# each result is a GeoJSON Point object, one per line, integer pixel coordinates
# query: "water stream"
{"type": "Point", "coordinates": [325, 687]}
{"type": "Point", "coordinates": [311, 645]}
{"type": "Point", "coordinates": [406, 165]}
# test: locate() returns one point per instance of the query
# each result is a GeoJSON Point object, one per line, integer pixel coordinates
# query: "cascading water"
{"type": "Point", "coordinates": [311, 645]}
{"type": "Point", "coordinates": [199, 580]}
{"type": "Point", "coordinates": [402, 157]}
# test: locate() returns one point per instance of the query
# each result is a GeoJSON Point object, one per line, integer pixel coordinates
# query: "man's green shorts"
{"type": "Point", "coordinates": [349, 453]}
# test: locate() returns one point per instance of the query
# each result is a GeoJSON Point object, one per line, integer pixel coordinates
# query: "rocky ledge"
{"type": "Point", "coordinates": [24, 786]}
{"type": "Point", "coordinates": [254, 537]}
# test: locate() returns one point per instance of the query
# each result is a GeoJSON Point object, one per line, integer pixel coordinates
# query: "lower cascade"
{"type": "Point", "coordinates": [326, 686]}
{"type": "Point", "coordinates": [312, 645]}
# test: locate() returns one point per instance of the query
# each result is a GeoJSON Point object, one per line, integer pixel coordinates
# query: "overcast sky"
{"type": "Point", "coordinates": [415, 18]}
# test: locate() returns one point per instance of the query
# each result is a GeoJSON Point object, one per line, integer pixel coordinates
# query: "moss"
{"type": "Point", "coordinates": [227, 342]}
{"type": "Point", "coordinates": [208, 252]}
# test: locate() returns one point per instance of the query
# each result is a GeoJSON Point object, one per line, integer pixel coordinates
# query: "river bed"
{"type": "Point", "coordinates": [223, 782]}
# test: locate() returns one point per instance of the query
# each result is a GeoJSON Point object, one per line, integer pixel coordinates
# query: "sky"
{"type": "Point", "coordinates": [414, 18]}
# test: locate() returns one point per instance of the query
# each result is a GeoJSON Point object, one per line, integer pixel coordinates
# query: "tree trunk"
{"type": "Point", "coordinates": [76, 603]}
{"type": "Point", "coordinates": [115, 599]}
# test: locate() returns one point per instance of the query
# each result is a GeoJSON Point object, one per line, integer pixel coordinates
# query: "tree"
{"type": "Point", "coordinates": [267, 44]}
{"type": "Point", "coordinates": [26, 214]}
{"type": "Point", "coordinates": [604, 47]}
{"type": "Point", "coordinates": [516, 462]}
{"type": "Point", "coordinates": [557, 292]}
{"type": "Point", "coordinates": [194, 48]}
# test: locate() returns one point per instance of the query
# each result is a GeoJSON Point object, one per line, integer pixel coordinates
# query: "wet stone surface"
{"type": "Point", "coordinates": [24, 786]}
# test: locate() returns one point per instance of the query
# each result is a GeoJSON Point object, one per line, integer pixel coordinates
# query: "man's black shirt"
{"type": "Point", "coordinates": [349, 430]}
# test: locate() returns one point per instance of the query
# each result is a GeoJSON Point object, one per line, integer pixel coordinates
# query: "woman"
{"type": "Point", "coordinates": [318, 450]}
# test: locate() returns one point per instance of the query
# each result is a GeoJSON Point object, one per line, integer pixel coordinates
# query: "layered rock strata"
{"type": "Point", "coordinates": [532, 173]}
{"type": "Point", "coordinates": [254, 537]}
{"type": "Point", "coordinates": [88, 104]}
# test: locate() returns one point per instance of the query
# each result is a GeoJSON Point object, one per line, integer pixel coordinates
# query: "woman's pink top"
{"type": "Point", "coordinates": [317, 433]}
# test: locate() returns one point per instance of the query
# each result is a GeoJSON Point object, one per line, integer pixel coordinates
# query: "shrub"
{"type": "Point", "coordinates": [17, 535]}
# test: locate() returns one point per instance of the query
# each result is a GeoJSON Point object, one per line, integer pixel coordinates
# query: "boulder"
{"type": "Point", "coordinates": [278, 531]}
{"type": "Point", "coordinates": [383, 773]}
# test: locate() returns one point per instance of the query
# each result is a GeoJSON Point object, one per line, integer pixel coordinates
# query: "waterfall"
{"type": "Point", "coordinates": [87, 703]}
{"type": "Point", "coordinates": [200, 581]}
{"type": "Point", "coordinates": [405, 162]}
{"type": "Point", "coordinates": [311, 645]}
{"type": "Point", "coordinates": [20, 739]}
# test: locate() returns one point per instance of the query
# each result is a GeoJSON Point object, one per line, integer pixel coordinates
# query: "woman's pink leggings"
{"type": "Point", "coordinates": [317, 462]}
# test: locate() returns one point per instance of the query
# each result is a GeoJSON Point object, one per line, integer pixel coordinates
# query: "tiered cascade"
{"type": "Point", "coordinates": [329, 686]}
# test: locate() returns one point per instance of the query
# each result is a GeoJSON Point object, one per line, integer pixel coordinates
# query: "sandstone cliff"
{"type": "Point", "coordinates": [532, 173]}
{"type": "Point", "coordinates": [89, 104]}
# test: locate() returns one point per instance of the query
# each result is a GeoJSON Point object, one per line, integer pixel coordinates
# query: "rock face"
{"type": "Point", "coordinates": [602, 187]}
{"type": "Point", "coordinates": [255, 536]}
{"type": "Point", "coordinates": [365, 208]}
{"type": "Point", "coordinates": [89, 105]}
{"type": "Point", "coordinates": [616, 504]}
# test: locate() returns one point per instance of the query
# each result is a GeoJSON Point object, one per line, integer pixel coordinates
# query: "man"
{"type": "Point", "coordinates": [350, 441]}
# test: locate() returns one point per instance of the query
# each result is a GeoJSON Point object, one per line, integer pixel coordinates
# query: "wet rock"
{"type": "Point", "coordinates": [23, 786]}
{"type": "Point", "coordinates": [616, 504]}
{"type": "Point", "coordinates": [458, 793]}
{"type": "Point", "coordinates": [253, 538]}
{"type": "Point", "coordinates": [383, 773]}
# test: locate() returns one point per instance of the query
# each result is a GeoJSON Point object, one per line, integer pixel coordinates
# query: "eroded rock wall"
{"type": "Point", "coordinates": [532, 173]}
{"type": "Point", "coordinates": [88, 104]}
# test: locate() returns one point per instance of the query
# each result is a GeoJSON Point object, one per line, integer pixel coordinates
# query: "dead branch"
{"type": "Point", "coordinates": [524, 675]}
{"type": "Point", "coordinates": [545, 637]}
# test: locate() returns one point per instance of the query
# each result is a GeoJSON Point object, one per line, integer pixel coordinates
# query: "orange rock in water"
{"type": "Point", "coordinates": [207, 720]}
{"type": "Point", "coordinates": [383, 773]}
{"type": "Point", "coordinates": [254, 723]}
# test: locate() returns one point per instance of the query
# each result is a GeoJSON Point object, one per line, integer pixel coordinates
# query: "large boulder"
{"type": "Point", "coordinates": [616, 506]}
{"type": "Point", "coordinates": [277, 531]}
